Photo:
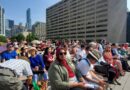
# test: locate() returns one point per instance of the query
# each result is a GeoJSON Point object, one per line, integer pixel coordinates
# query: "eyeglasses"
{"type": "Point", "coordinates": [62, 53]}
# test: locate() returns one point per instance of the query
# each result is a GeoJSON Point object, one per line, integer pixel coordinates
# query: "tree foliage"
{"type": "Point", "coordinates": [30, 37]}
{"type": "Point", "coordinates": [2, 38]}
{"type": "Point", "coordinates": [19, 37]}
{"type": "Point", "coordinates": [13, 38]}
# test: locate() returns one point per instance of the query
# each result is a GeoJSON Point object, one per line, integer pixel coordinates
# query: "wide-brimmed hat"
{"type": "Point", "coordinates": [25, 47]}
{"type": "Point", "coordinates": [16, 46]}
{"type": "Point", "coordinates": [95, 54]}
{"type": "Point", "coordinates": [32, 48]}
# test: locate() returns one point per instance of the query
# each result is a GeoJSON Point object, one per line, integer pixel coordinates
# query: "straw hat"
{"type": "Point", "coordinates": [32, 49]}
{"type": "Point", "coordinates": [95, 54]}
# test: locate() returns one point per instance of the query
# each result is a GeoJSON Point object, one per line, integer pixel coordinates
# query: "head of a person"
{"type": "Point", "coordinates": [60, 54]}
{"type": "Point", "coordinates": [126, 45]}
{"type": "Point", "coordinates": [47, 50]}
{"type": "Point", "coordinates": [33, 51]}
{"type": "Point", "coordinates": [93, 56]}
{"type": "Point", "coordinates": [8, 40]}
{"type": "Point", "coordinates": [74, 50]}
{"type": "Point", "coordinates": [93, 45]}
{"type": "Point", "coordinates": [88, 48]}
{"type": "Point", "coordinates": [10, 47]}
{"type": "Point", "coordinates": [53, 49]}
{"type": "Point", "coordinates": [16, 47]}
{"type": "Point", "coordinates": [108, 48]}
{"type": "Point", "coordinates": [82, 46]}
{"type": "Point", "coordinates": [65, 47]}
{"type": "Point", "coordinates": [114, 45]}
{"type": "Point", "coordinates": [24, 49]}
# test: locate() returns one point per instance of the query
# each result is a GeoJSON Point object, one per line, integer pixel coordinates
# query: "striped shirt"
{"type": "Point", "coordinates": [21, 67]}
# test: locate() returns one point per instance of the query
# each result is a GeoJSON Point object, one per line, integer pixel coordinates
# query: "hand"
{"type": "Point", "coordinates": [81, 85]}
{"type": "Point", "coordinates": [102, 83]}
{"type": "Point", "coordinates": [36, 68]}
{"type": "Point", "coordinates": [45, 70]}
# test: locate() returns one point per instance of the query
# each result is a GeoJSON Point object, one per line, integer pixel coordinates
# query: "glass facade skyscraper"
{"type": "Point", "coordinates": [28, 19]}
{"type": "Point", "coordinates": [9, 26]}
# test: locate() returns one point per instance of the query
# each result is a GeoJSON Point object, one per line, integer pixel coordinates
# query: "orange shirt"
{"type": "Point", "coordinates": [108, 57]}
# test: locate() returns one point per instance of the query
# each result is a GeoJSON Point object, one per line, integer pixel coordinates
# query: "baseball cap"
{"type": "Point", "coordinates": [9, 45]}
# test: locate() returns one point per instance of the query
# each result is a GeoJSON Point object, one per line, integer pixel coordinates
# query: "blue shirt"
{"type": "Point", "coordinates": [9, 55]}
{"type": "Point", "coordinates": [36, 61]}
{"type": "Point", "coordinates": [115, 52]}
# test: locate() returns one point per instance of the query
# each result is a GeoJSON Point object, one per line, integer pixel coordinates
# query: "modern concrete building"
{"type": "Point", "coordinates": [18, 29]}
{"type": "Point", "coordinates": [39, 28]}
{"type": "Point", "coordinates": [88, 20]}
{"type": "Point", "coordinates": [2, 21]}
{"type": "Point", "coordinates": [28, 19]}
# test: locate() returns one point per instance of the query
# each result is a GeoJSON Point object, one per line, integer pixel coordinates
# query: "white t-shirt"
{"type": "Point", "coordinates": [81, 54]}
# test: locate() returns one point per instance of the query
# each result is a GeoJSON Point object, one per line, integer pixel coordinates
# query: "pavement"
{"type": "Point", "coordinates": [125, 82]}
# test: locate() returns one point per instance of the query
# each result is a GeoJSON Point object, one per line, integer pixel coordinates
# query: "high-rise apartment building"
{"type": "Point", "coordinates": [2, 21]}
{"type": "Point", "coordinates": [39, 28]}
{"type": "Point", "coordinates": [88, 20]}
{"type": "Point", "coordinates": [28, 19]}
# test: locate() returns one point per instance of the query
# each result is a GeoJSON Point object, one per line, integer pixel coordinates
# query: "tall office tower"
{"type": "Point", "coordinates": [2, 21]}
{"type": "Point", "coordinates": [9, 26]}
{"type": "Point", "coordinates": [87, 20]}
{"type": "Point", "coordinates": [28, 19]}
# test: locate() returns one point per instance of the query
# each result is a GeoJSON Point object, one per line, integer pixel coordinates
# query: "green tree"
{"type": "Point", "coordinates": [13, 38]}
{"type": "Point", "coordinates": [30, 37]}
{"type": "Point", "coordinates": [2, 38]}
{"type": "Point", "coordinates": [20, 37]}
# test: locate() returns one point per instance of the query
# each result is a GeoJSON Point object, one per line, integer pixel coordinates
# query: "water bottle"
{"type": "Point", "coordinates": [45, 76]}
{"type": "Point", "coordinates": [35, 77]}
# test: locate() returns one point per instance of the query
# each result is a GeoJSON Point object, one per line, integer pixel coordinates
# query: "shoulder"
{"type": "Point", "coordinates": [38, 56]}
{"type": "Point", "coordinates": [5, 52]}
{"type": "Point", "coordinates": [54, 66]}
{"type": "Point", "coordinates": [83, 61]}
{"type": "Point", "coordinates": [23, 62]}
{"type": "Point", "coordinates": [30, 58]}
{"type": "Point", "coordinates": [13, 51]}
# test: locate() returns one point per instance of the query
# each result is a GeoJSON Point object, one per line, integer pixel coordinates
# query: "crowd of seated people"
{"type": "Point", "coordinates": [70, 65]}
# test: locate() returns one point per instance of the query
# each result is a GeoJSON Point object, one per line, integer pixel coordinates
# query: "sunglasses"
{"type": "Point", "coordinates": [62, 53]}
{"type": "Point", "coordinates": [115, 58]}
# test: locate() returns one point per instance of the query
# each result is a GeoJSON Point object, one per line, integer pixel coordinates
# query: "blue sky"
{"type": "Point", "coordinates": [16, 9]}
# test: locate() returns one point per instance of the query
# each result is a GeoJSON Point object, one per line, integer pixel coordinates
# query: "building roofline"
{"type": "Point", "coordinates": [55, 4]}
